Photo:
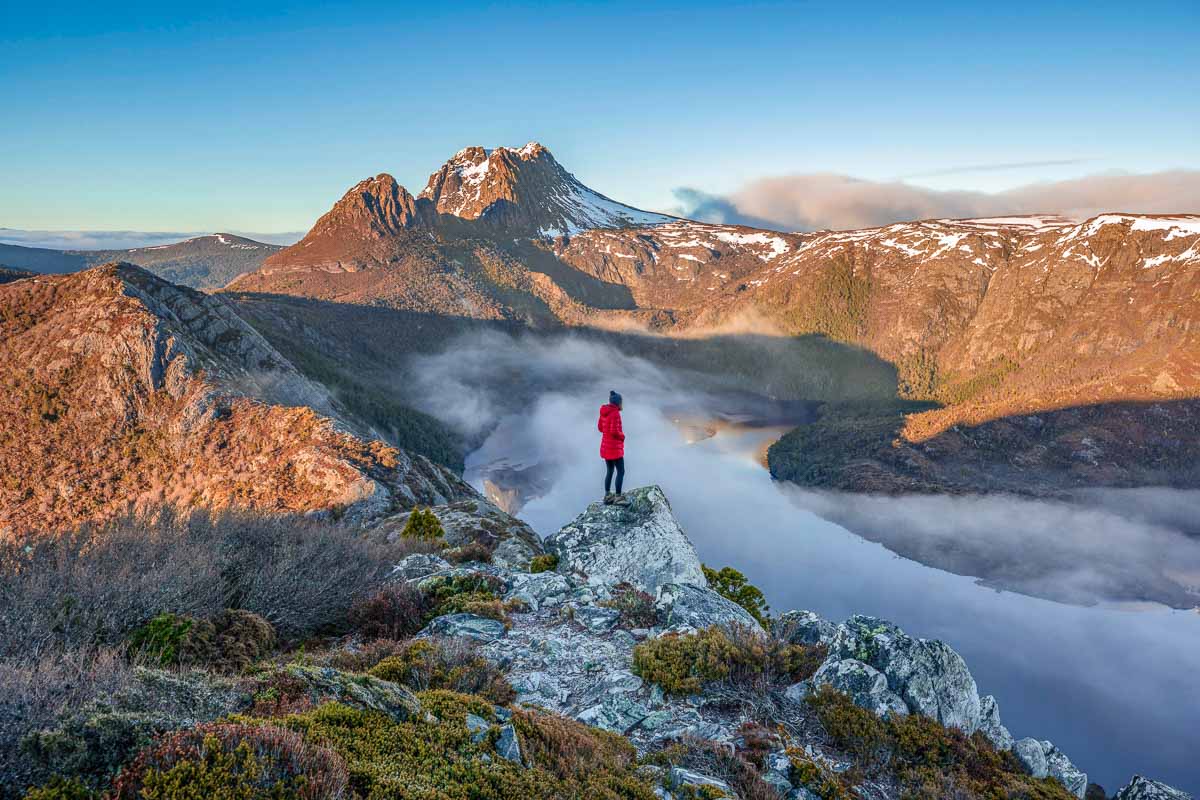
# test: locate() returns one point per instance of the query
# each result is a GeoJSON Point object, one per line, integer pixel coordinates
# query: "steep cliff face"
{"type": "Point", "coordinates": [122, 391]}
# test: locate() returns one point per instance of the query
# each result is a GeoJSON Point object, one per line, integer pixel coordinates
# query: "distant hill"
{"type": "Point", "coordinates": [202, 262]}
{"type": "Point", "coordinates": [10, 274]}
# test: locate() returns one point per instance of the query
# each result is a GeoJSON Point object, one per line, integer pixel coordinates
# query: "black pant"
{"type": "Point", "coordinates": [619, 465]}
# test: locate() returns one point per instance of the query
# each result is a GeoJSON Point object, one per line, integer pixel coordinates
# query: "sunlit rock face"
{"type": "Point", "coordinates": [639, 543]}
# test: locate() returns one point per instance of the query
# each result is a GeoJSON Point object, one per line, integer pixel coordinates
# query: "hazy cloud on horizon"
{"type": "Point", "coordinates": [124, 240]}
{"type": "Point", "coordinates": [824, 200]}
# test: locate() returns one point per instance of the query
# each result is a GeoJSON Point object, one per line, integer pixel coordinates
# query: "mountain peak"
{"type": "Point", "coordinates": [527, 189]}
{"type": "Point", "coordinates": [374, 208]}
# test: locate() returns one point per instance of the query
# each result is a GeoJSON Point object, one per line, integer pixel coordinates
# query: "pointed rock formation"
{"type": "Point", "coordinates": [639, 543]}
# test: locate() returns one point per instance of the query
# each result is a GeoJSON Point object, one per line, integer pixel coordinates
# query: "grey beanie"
{"type": "Point", "coordinates": [614, 398]}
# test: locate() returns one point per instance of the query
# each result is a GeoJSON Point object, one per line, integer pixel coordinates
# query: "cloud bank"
{"type": "Point", "coordinates": [823, 200]}
{"type": "Point", "coordinates": [124, 240]}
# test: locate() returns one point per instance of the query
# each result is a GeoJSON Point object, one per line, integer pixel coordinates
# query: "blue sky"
{"type": "Point", "coordinates": [253, 117]}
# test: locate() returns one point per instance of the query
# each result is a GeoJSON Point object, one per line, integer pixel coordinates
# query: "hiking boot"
{"type": "Point", "coordinates": [620, 500]}
{"type": "Point", "coordinates": [608, 498]}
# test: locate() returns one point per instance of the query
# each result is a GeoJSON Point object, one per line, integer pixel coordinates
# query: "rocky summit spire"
{"type": "Point", "coordinates": [527, 190]}
{"type": "Point", "coordinates": [372, 209]}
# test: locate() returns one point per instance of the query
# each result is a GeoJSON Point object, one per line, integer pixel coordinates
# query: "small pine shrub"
{"type": "Point", "coordinates": [232, 762]}
{"type": "Point", "coordinates": [161, 639]}
{"type": "Point", "coordinates": [394, 612]}
{"type": "Point", "coordinates": [546, 562]}
{"type": "Point", "coordinates": [636, 607]}
{"type": "Point", "coordinates": [423, 524]}
{"type": "Point", "coordinates": [732, 585]}
{"type": "Point", "coordinates": [454, 665]}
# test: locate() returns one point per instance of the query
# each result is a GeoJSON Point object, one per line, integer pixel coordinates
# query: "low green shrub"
{"type": "Point", "coordinates": [732, 585]}
{"type": "Point", "coordinates": [233, 762]}
{"type": "Point", "coordinates": [394, 612]}
{"type": "Point", "coordinates": [59, 788]}
{"type": "Point", "coordinates": [929, 760]}
{"type": "Point", "coordinates": [473, 552]}
{"type": "Point", "coordinates": [546, 562]}
{"type": "Point", "coordinates": [453, 664]}
{"type": "Point", "coordinates": [474, 593]}
{"type": "Point", "coordinates": [684, 663]}
{"type": "Point", "coordinates": [423, 524]}
{"type": "Point", "coordinates": [229, 642]}
{"type": "Point", "coordinates": [636, 607]}
{"type": "Point", "coordinates": [161, 639]}
{"type": "Point", "coordinates": [440, 759]}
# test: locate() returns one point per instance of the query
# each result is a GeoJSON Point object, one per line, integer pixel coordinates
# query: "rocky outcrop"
{"type": "Point", "coordinates": [565, 649]}
{"type": "Point", "coordinates": [474, 520]}
{"type": "Point", "coordinates": [1042, 759]}
{"type": "Point", "coordinates": [930, 677]}
{"type": "Point", "coordinates": [639, 543]}
{"type": "Point", "coordinates": [1145, 789]}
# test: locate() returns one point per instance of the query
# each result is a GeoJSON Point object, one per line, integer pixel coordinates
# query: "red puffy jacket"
{"type": "Point", "coordinates": [612, 443]}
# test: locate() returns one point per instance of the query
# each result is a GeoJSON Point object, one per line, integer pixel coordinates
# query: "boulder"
{"type": "Point", "coordinates": [803, 627]}
{"type": "Point", "coordinates": [596, 619]}
{"type": "Point", "coordinates": [639, 543]}
{"type": "Point", "coordinates": [364, 692]}
{"type": "Point", "coordinates": [539, 589]}
{"type": "Point", "coordinates": [1060, 767]}
{"type": "Point", "coordinates": [686, 605]}
{"type": "Point", "coordinates": [864, 684]}
{"type": "Point", "coordinates": [680, 778]}
{"type": "Point", "coordinates": [507, 746]}
{"type": "Point", "coordinates": [989, 724]}
{"type": "Point", "coordinates": [931, 678]}
{"type": "Point", "coordinates": [419, 565]}
{"type": "Point", "coordinates": [1031, 755]}
{"type": "Point", "coordinates": [1043, 760]}
{"type": "Point", "coordinates": [467, 626]}
{"type": "Point", "coordinates": [1145, 789]}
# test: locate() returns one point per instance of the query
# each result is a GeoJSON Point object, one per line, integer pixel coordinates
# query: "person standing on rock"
{"type": "Point", "coordinates": [612, 448]}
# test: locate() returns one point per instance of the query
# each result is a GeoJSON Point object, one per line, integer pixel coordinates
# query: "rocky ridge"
{"type": "Point", "coordinates": [568, 652]}
{"type": "Point", "coordinates": [123, 391]}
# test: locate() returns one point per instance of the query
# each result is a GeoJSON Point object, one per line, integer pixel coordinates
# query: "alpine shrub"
{"type": "Point", "coordinates": [423, 524]}
{"type": "Point", "coordinates": [732, 585]}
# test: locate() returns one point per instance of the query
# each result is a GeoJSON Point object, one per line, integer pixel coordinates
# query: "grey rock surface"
{"type": "Point", "coordinates": [419, 565]}
{"type": "Point", "coordinates": [803, 627]}
{"type": "Point", "coordinates": [990, 725]}
{"type": "Point", "coordinates": [866, 686]}
{"type": "Point", "coordinates": [931, 678]}
{"type": "Point", "coordinates": [1145, 789]}
{"type": "Point", "coordinates": [682, 605]}
{"type": "Point", "coordinates": [639, 543]}
{"type": "Point", "coordinates": [467, 626]}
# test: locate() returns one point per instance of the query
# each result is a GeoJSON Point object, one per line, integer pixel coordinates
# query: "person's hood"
{"type": "Point", "coordinates": [608, 409]}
